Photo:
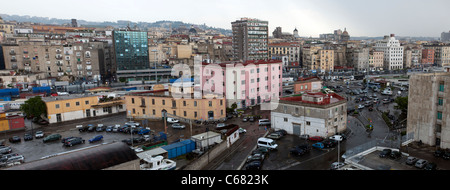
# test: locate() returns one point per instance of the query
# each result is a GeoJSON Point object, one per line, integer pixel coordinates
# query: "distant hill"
{"type": "Point", "coordinates": [118, 24]}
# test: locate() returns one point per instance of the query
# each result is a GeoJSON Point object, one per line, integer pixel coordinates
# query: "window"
{"type": "Point", "coordinates": [153, 101]}
{"type": "Point", "coordinates": [195, 103]}
{"type": "Point", "coordinates": [77, 103]}
{"type": "Point", "coordinates": [185, 113]}
{"type": "Point", "coordinates": [154, 112]}
{"type": "Point", "coordinates": [174, 104]}
{"type": "Point", "coordinates": [132, 100]}
{"type": "Point", "coordinates": [308, 123]}
{"type": "Point", "coordinates": [184, 103]}
{"type": "Point", "coordinates": [440, 101]}
{"type": "Point", "coordinates": [210, 103]}
{"type": "Point", "coordinates": [195, 114]}
{"type": "Point", "coordinates": [439, 115]}
{"type": "Point", "coordinates": [67, 105]}
{"type": "Point", "coordinates": [57, 106]}
{"type": "Point", "coordinates": [441, 87]}
{"type": "Point", "coordinates": [221, 102]}
{"type": "Point", "coordinates": [163, 102]}
{"type": "Point", "coordinates": [134, 111]}
{"type": "Point", "coordinates": [286, 119]}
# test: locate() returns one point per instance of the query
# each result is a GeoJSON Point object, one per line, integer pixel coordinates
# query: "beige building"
{"type": "Point", "coordinates": [319, 59]}
{"type": "Point", "coordinates": [152, 105]}
{"type": "Point", "coordinates": [7, 27]}
{"type": "Point", "coordinates": [376, 60]}
{"type": "Point", "coordinates": [428, 109]}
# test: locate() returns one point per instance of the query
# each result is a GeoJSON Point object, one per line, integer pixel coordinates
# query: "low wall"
{"type": "Point", "coordinates": [202, 161]}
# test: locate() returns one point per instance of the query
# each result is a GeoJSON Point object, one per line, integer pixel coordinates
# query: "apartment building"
{"type": "Point", "coordinates": [318, 59]}
{"type": "Point", "coordinates": [244, 83]}
{"type": "Point", "coordinates": [153, 104]}
{"type": "Point", "coordinates": [428, 108]}
{"type": "Point", "coordinates": [289, 49]}
{"type": "Point", "coordinates": [412, 57]}
{"type": "Point", "coordinates": [313, 114]}
{"type": "Point", "coordinates": [376, 60]}
{"type": "Point", "coordinates": [311, 84]}
{"type": "Point", "coordinates": [441, 53]}
{"type": "Point", "coordinates": [79, 60]}
{"type": "Point", "coordinates": [250, 39]}
{"type": "Point", "coordinates": [427, 57]}
{"type": "Point", "coordinates": [359, 58]}
{"type": "Point", "coordinates": [393, 52]}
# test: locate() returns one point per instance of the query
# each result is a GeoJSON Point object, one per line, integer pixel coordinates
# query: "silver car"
{"type": "Point", "coordinates": [178, 126]}
{"type": "Point", "coordinates": [421, 163]}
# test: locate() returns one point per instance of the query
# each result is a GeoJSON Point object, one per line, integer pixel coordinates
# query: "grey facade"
{"type": "Point", "coordinates": [250, 39]}
{"type": "Point", "coordinates": [429, 109]}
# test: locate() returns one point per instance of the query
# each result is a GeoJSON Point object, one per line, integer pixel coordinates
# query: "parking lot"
{"type": "Point", "coordinates": [315, 159]}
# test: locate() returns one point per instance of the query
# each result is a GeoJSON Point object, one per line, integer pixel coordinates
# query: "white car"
{"type": "Point", "coordinates": [39, 134]}
{"type": "Point", "coordinates": [337, 138]}
{"type": "Point", "coordinates": [172, 120]}
{"type": "Point", "coordinates": [178, 126]}
{"type": "Point", "coordinates": [220, 125]}
{"type": "Point", "coordinates": [360, 106]}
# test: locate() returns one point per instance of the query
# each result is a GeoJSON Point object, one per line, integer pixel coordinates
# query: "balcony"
{"type": "Point", "coordinates": [12, 53]}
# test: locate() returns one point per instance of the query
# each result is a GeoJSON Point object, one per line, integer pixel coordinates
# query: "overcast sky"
{"type": "Point", "coordinates": [311, 17]}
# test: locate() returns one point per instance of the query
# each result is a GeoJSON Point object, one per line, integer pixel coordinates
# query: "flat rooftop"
{"type": "Point", "coordinates": [369, 160]}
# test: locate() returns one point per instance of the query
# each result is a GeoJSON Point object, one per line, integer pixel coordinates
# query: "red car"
{"type": "Point", "coordinates": [315, 138]}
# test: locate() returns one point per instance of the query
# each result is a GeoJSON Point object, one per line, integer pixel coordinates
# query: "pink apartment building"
{"type": "Point", "coordinates": [244, 83]}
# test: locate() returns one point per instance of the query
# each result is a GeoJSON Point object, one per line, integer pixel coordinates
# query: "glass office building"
{"type": "Point", "coordinates": [131, 51]}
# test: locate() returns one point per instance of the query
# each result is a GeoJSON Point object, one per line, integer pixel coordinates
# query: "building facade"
{"type": "Point", "coordinates": [73, 107]}
{"type": "Point", "coordinates": [250, 39]}
{"type": "Point", "coordinates": [152, 105]}
{"type": "Point", "coordinates": [132, 55]}
{"type": "Point", "coordinates": [376, 60]}
{"type": "Point", "coordinates": [393, 52]}
{"type": "Point", "coordinates": [428, 109]}
{"type": "Point", "coordinates": [313, 114]}
{"type": "Point", "coordinates": [427, 57]}
{"type": "Point", "coordinates": [244, 83]}
{"type": "Point", "coordinates": [441, 54]}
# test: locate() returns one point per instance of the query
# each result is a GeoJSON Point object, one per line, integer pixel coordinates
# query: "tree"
{"type": "Point", "coordinates": [34, 107]}
{"type": "Point", "coordinates": [402, 103]}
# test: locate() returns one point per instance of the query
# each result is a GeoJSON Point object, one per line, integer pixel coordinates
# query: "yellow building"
{"type": "Point", "coordinates": [67, 108]}
{"type": "Point", "coordinates": [7, 27]}
{"type": "Point", "coordinates": [152, 105]}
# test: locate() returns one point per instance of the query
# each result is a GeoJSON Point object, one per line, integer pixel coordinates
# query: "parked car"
{"type": "Point", "coordinates": [305, 137]}
{"type": "Point", "coordinates": [329, 143]}
{"type": "Point", "coordinates": [245, 119]}
{"type": "Point", "coordinates": [17, 158]}
{"type": "Point", "coordinates": [143, 131]}
{"type": "Point", "coordinates": [395, 155]}
{"type": "Point", "coordinates": [282, 132]}
{"type": "Point", "coordinates": [109, 128]}
{"type": "Point", "coordinates": [430, 166]}
{"type": "Point", "coordinates": [91, 128]}
{"type": "Point", "coordinates": [96, 138]}
{"type": "Point", "coordinates": [264, 122]}
{"type": "Point", "coordinates": [220, 125]}
{"type": "Point", "coordinates": [27, 137]}
{"type": "Point", "coordinates": [318, 145]}
{"type": "Point", "coordinates": [385, 153]}
{"type": "Point", "coordinates": [274, 136]}
{"type": "Point", "coordinates": [297, 151]}
{"type": "Point", "coordinates": [74, 141]}
{"type": "Point", "coordinates": [446, 155]}
{"type": "Point", "coordinates": [39, 134]}
{"type": "Point", "coordinates": [360, 106]}
{"type": "Point", "coordinates": [421, 163]}
{"type": "Point", "coordinates": [5, 150]}
{"type": "Point", "coordinates": [254, 157]}
{"type": "Point", "coordinates": [337, 165]}
{"type": "Point", "coordinates": [63, 140]}
{"type": "Point", "coordinates": [315, 138]}
{"type": "Point", "coordinates": [438, 153]}
{"type": "Point", "coordinates": [242, 130]}
{"type": "Point", "coordinates": [82, 128]}
{"type": "Point", "coordinates": [14, 139]}
{"type": "Point", "coordinates": [5, 157]}
{"type": "Point", "coordinates": [172, 120]}
{"type": "Point", "coordinates": [411, 160]}
{"type": "Point", "coordinates": [52, 137]}
{"type": "Point", "coordinates": [178, 126]}
{"type": "Point", "coordinates": [261, 150]}
{"type": "Point", "coordinates": [255, 165]}
{"type": "Point", "coordinates": [337, 138]}
{"type": "Point", "coordinates": [99, 128]}
{"type": "Point", "coordinates": [116, 128]}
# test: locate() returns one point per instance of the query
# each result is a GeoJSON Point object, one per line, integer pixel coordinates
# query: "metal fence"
{"type": "Point", "coordinates": [391, 141]}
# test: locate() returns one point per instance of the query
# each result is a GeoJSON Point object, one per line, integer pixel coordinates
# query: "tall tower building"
{"type": "Point", "coordinates": [132, 55]}
{"type": "Point", "coordinates": [250, 39]}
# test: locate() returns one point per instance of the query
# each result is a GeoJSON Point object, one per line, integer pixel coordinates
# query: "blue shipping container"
{"type": "Point", "coordinates": [9, 92]}
{"type": "Point", "coordinates": [178, 149]}
{"type": "Point", "coordinates": [45, 89]}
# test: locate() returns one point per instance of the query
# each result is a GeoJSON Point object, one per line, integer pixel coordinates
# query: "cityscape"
{"type": "Point", "coordinates": [174, 95]}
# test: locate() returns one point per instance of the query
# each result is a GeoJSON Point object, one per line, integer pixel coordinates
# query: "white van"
{"type": "Point", "coordinates": [264, 122]}
{"type": "Point", "coordinates": [267, 143]}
